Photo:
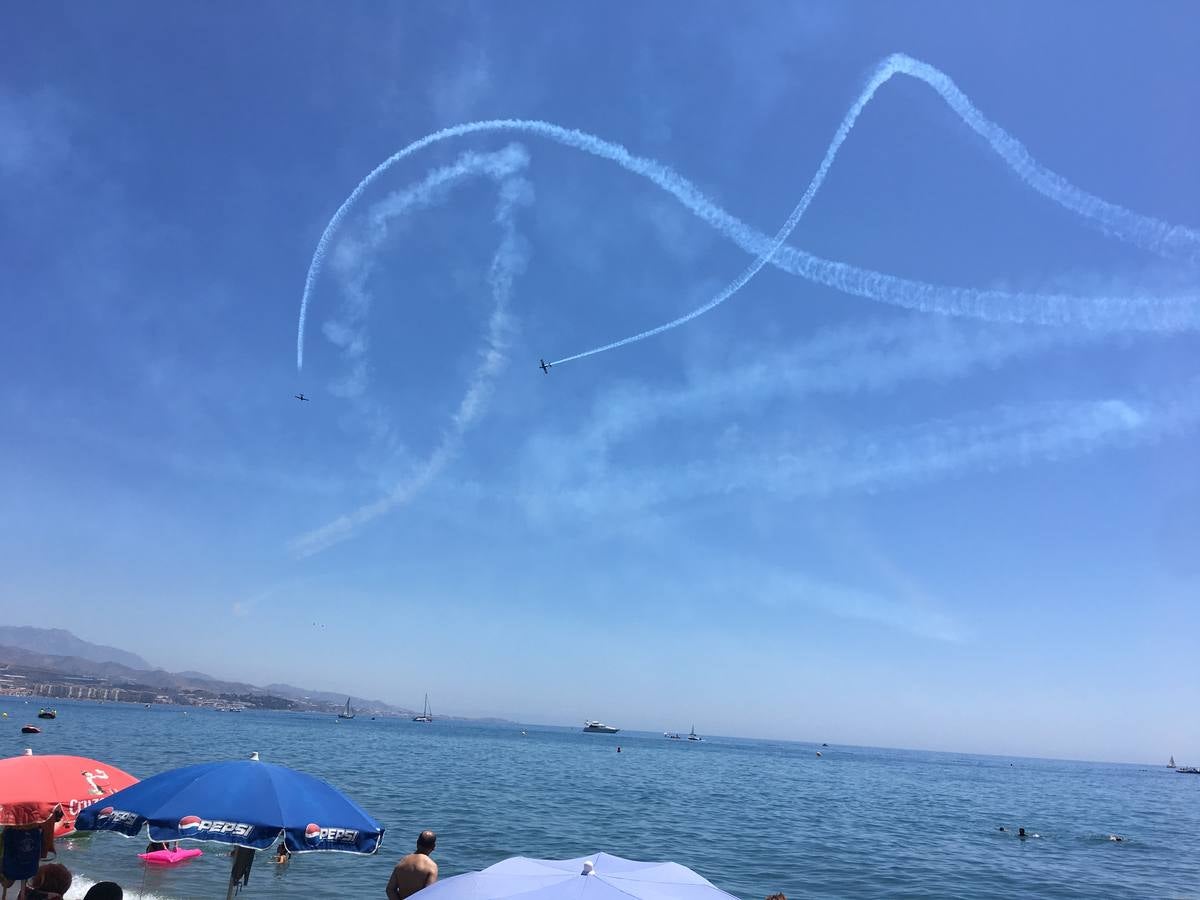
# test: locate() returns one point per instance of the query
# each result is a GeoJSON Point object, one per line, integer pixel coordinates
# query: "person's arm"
{"type": "Point", "coordinates": [393, 890]}
{"type": "Point", "coordinates": [432, 876]}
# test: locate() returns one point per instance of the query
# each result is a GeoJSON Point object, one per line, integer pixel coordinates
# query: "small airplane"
{"type": "Point", "coordinates": [546, 367]}
{"type": "Point", "coordinates": [301, 397]}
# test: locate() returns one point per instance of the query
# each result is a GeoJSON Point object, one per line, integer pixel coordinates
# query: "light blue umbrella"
{"type": "Point", "coordinates": [598, 877]}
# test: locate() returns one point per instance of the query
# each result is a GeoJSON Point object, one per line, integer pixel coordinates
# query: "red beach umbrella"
{"type": "Point", "coordinates": [31, 786]}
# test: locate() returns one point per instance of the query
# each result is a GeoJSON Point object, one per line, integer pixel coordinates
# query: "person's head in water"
{"type": "Point", "coordinates": [1020, 832]}
{"type": "Point", "coordinates": [426, 841]}
{"type": "Point", "coordinates": [104, 890]}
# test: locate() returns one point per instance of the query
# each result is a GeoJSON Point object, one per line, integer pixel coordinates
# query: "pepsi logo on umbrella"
{"type": "Point", "coordinates": [315, 834]}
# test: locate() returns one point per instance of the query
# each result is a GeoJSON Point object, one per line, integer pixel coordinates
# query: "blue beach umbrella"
{"type": "Point", "coordinates": [247, 803]}
{"type": "Point", "coordinates": [598, 877]}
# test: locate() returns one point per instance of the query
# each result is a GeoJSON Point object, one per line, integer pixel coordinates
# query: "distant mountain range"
{"type": "Point", "coordinates": [63, 643]}
{"type": "Point", "coordinates": [56, 650]}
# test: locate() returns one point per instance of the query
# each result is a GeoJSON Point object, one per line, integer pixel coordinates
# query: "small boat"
{"type": "Point", "coordinates": [30, 729]}
{"type": "Point", "coordinates": [426, 717]}
{"type": "Point", "coordinates": [1188, 770]}
{"type": "Point", "coordinates": [693, 736]}
{"type": "Point", "coordinates": [47, 713]}
{"type": "Point", "coordinates": [348, 712]}
{"type": "Point", "coordinates": [1171, 762]}
{"type": "Point", "coordinates": [593, 727]}
{"type": "Point", "coordinates": [672, 736]}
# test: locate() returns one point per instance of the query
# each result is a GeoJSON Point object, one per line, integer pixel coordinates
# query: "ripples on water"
{"type": "Point", "coordinates": [754, 817]}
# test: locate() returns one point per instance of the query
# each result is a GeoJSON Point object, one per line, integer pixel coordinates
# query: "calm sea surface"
{"type": "Point", "coordinates": [754, 817]}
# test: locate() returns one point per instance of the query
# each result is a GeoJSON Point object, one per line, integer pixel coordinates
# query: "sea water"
{"type": "Point", "coordinates": [752, 816]}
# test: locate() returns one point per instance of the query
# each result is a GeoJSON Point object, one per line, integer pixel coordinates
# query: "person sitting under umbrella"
{"type": "Point", "coordinates": [415, 871]}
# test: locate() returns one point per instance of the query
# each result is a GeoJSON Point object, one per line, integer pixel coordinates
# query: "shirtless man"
{"type": "Point", "coordinates": [415, 871]}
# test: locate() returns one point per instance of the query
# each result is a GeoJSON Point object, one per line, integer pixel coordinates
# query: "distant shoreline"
{"type": "Point", "coordinates": [49, 702]}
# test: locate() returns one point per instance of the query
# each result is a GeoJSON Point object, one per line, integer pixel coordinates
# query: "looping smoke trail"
{"type": "Point", "coordinates": [1113, 313]}
{"type": "Point", "coordinates": [356, 256]}
{"type": "Point", "coordinates": [507, 263]}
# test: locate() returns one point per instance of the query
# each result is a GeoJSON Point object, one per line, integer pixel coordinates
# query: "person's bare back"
{"type": "Point", "coordinates": [415, 871]}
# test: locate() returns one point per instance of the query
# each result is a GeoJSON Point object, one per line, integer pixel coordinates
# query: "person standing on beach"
{"type": "Point", "coordinates": [415, 871]}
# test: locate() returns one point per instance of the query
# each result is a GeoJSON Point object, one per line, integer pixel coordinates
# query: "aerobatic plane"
{"type": "Point", "coordinates": [301, 397]}
{"type": "Point", "coordinates": [546, 367]}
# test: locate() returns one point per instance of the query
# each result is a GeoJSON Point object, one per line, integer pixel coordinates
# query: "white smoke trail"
{"type": "Point", "coordinates": [999, 437]}
{"type": "Point", "coordinates": [508, 262]}
{"type": "Point", "coordinates": [1138, 312]}
{"type": "Point", "coordinates": [865, 356]}
{"type": "Point", "coordinates": [356, 257]}
{"type": "Point", "coordinates": [793, 466]}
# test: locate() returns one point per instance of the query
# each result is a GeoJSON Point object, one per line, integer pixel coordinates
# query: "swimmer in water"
{"type": "Point", "coordinates": [1001, 828]}
{"type": "Point", "coordinates": [1115, 837]}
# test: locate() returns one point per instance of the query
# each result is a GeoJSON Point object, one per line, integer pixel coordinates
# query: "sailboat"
{"type": "Point", "coordinates": [426, 716]}
{"type": "Point", "coordinates": [1171, 762]}
{"type": "Point", "coordinates": [693, 736]}
{"type": "Point", "coordinates": [348, 712]}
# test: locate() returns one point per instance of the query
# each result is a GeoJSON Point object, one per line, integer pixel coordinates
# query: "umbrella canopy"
{"type": "Point", "coordinates": [31, 786]}
{"type": "Point", "coordinates": [601, 876]}
{"type": "Point", "coordinates": [247, 803]}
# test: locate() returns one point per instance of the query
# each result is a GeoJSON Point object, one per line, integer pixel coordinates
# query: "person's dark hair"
{"type": "Point", "coordinates": [777, 897]}
{"type": "Point", "coordinates": [104, 890]}
{"type": "Point", "coordinates": [426, 841]}
{"type": "Point", "coordinates": [53, 878]}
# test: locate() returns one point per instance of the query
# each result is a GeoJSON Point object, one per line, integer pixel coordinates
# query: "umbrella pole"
{"type": "Point", "coordinates": [232, 882]}
{"type": "Point", "coordinates": [243, 859]}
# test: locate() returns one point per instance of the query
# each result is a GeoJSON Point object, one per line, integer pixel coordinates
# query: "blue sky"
{"type": "Point", "coordinates": [805, 514]}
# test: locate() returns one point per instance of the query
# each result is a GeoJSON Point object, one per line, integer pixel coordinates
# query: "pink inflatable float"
{"type": "Point", "coordinates": [170, 857]}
